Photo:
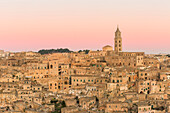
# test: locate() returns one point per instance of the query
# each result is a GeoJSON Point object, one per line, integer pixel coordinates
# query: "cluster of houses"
{"type": "Point", "coordinates": [106, 81]}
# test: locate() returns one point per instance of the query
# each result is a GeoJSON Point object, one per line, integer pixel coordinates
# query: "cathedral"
{"type": "Point", "coordinates": [117, 57]}
{"type": "Point", "coordinates": [117, 43]}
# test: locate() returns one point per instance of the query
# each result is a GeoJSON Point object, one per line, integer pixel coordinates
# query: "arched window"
{"type": "Point", "coordinates": [113, 81]}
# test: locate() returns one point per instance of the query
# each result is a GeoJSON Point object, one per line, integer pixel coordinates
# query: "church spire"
{"type": "Point", "coordinates": [117, 29]}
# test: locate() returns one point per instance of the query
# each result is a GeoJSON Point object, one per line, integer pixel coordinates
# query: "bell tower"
{"type": "Point", "coordinates": [118, 41]}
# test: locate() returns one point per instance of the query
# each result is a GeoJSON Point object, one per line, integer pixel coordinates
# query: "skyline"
{"type": "Point", "coordinates": [31, 25]}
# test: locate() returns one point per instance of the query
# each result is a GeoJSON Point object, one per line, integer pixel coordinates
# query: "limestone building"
{"type": "Point", "coordinates": [118, 41]}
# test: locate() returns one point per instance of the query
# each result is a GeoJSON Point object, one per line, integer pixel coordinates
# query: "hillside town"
{"type": "Point", "coordinates": [103, 81]}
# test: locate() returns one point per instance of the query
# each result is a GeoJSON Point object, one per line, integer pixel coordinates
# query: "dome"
{"type": "Point", "coordinates": [107, 48]}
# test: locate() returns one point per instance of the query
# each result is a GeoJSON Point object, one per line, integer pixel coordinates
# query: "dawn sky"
{"type": "Point", "coordinates": [84, 24]}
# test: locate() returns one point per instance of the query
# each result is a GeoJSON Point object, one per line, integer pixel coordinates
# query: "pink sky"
{"type": "Point", "coordinates": [84, 24]}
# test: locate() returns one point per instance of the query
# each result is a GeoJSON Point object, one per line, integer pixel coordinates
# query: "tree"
{"type": "Point", "coordinates": [58, 106]}
{"type": "Point", "coordinates": [86, 51]}
{"type": "Point", "coordinates": [50, 51]}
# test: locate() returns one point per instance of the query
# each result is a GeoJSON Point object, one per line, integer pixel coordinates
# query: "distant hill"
{"type": "Point", "coordinates": [50, 51]}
